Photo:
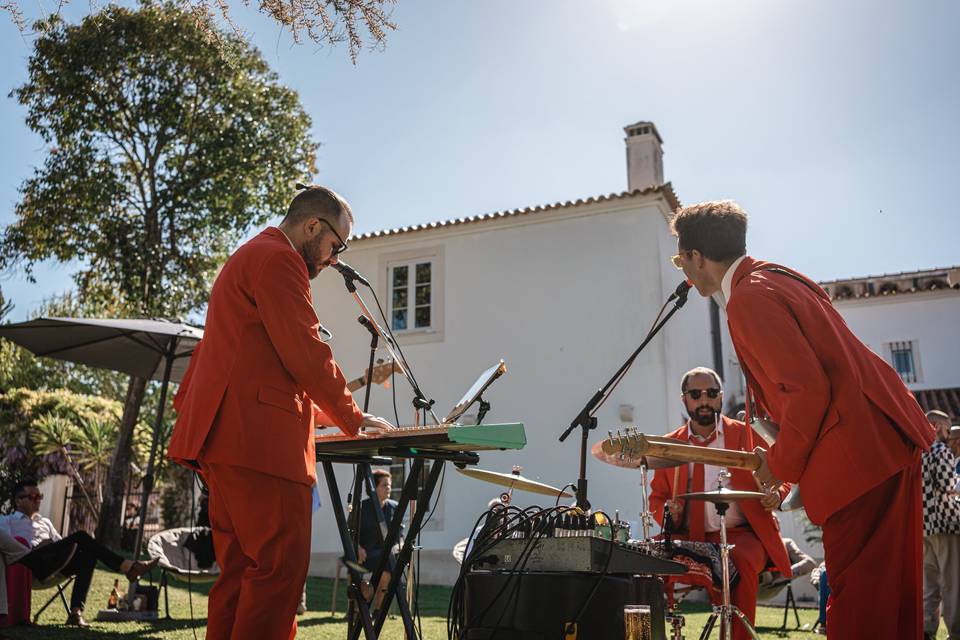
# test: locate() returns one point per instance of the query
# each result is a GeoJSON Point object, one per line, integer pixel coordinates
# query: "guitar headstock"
{"type": "Point", "coordinates": [382, 372]}
{"type": "Point", "coordinates": [628, 443]}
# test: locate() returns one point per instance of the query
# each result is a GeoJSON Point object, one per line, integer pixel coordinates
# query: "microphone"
{"type": "Point", "coordinates": [349, 273]}
{"type": "Point", "coordinates": [680, 292]}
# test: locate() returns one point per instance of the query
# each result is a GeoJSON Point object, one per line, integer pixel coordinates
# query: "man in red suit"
{"type": "Point", "coordinates": [751, 527]}
{"type": "Point", "coordinates": [246, 410]}
{"type": "Point", "coordinates": [850, 430]}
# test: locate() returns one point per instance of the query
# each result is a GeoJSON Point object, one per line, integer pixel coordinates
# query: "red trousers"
{"type": "Point", "coordinates": [874, 555]}
{"type": "Point", "coordinates": [750, 558]}
{"type": "Point", "coordinates": [261, 535]}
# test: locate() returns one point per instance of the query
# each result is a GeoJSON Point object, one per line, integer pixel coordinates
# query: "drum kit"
{"type": "Point", "coordinates": [632, 449]}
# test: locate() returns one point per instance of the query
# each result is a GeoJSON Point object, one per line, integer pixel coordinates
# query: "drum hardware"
{"type": "Point", "coordinates": [676, 621]}
{"type": "Point", "coordinates": [514, 481]}
{"type": "Point", "coordinates": [725, 612]}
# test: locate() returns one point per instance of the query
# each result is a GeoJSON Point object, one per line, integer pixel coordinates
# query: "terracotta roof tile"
{"type": "Point", "coordinates": [666, 190]}
{"type": "Point", "coordinates": [946, 400]}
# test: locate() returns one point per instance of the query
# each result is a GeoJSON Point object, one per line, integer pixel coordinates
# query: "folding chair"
{"type": "Point", "coordinates": [177, 561]}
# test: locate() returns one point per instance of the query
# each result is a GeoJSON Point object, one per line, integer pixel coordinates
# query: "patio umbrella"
{"type": "Point", "coordinates": [152, 349]}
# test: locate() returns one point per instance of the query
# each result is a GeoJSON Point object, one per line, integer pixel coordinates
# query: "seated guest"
{"type": "Point", "coordinates": [371, 549]}
{"type": "Point", "coordinates": [751, 526]}
{"type": "Point", "coordinates": [772, 583]}
{"type": "Point", "coordinates": [47, 546]}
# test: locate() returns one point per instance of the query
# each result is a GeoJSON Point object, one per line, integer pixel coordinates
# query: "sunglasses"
{"type": "Point", "coordinates": [677, 262]}
{"type": "Point", "coordinates": [343, 245]}
{"type": "Point", "coordinates": [695, 394]}
{"type": "Point", "coordinates": [38, 496]}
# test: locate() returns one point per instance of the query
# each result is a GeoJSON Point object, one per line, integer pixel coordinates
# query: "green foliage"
{"type": "Point", "coordinates": [163, 151]}
{"type": "Point", "coordinates": [59, 431]}
{"type": "Point", "coordinates": [5, 306]}
{"type": "Point", "coordinates": [20, 368]}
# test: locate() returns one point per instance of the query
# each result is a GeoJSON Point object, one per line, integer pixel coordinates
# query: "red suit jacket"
{"type": "Point", "coordinates": [260, 361]}
{"type": "Point", "coordinates": [764, 525]}
{"type": "Point", "coordinates": [847, 421]}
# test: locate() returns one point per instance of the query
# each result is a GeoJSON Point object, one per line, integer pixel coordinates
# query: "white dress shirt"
{"type": "Point", "coordinates": [726, 284]}
{"type": "Point", "coordinates": [711, 520]}
{"type": "Point", "coordinates": [34, 529]}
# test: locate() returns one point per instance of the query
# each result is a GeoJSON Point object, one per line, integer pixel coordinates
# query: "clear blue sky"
{"type": "Point", "coordinates": [816, 115]}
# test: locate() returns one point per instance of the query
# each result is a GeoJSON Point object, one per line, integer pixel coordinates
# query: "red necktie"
{"type": "Point", "coordinates": [695, 508]}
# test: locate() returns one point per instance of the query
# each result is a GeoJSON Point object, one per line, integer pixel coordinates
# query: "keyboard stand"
{"type": "Point", "coordinates": [396, 563]}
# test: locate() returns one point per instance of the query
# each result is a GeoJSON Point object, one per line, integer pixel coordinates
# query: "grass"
{"type": "Point", "coordinates": [317, 623]}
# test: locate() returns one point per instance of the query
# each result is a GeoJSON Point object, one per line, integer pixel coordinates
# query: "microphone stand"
{"type": "Point", "coordinates": [419, 400]}
{"type": "Point", "coordinates": [586, 419]}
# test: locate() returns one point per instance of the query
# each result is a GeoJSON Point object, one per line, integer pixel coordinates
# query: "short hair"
{"type": "Point", "coordinates": [937, 415]}
{"type": "Point", "coordinates": [378, 475]}
{"type": "Point", "coordinates": [717, 229]}
{"type": "Point", "coordinates": [317, 201]}
{"type": "Point", "coordinates": [698, 371]}
{"type": "Point", "coordinates": [23, 484]}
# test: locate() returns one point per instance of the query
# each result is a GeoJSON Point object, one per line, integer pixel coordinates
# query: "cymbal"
{"type": "Point", "coordinates": [723, 495]}
{"type": "Point", "coordinates": [514, 481]}
{"type": "Point", "coordinates": [618, 460]}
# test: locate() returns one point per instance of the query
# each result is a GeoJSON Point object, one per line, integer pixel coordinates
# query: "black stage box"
{"type": "Point", "coordinates": [538, 606]}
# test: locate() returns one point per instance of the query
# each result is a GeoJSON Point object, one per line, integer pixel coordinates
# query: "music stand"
{"type": "Point", "coordinates": [474, 393]}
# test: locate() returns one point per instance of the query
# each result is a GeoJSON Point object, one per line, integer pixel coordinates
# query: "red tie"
{"type": "Point", "coordinates": [695, 509]}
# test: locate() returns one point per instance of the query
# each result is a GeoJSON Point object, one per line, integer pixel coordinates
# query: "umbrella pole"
{"type": "Point", "coordinates": [148, 476]}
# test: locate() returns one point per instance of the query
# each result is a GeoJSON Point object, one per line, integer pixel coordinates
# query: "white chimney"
{"type": "Point", "coordinates": [644, 156]}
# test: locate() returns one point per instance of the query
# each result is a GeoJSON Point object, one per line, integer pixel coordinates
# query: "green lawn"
{"type": "Point", "coordinates": [317, 624]}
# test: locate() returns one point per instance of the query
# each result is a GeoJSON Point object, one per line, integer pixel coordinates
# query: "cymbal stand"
{"type": "Point", "coordinates": [725, 611]}
{"type": "Point", "coordinates": [646, 518]}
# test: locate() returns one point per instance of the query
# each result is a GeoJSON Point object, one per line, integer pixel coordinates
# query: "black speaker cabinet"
{"type": "Point", "coordinates": [540, 606]}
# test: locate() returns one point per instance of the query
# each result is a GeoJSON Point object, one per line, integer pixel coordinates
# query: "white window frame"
{"type": "Point", "coordinates": [898, 345]}
{"type": "Point", "coordinates": [411, 258]}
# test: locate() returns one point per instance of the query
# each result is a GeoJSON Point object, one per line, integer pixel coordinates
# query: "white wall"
{"type": "Point", "coordinates": [563, 296]}
{"type": "Point", "coordinates": [929, 317]}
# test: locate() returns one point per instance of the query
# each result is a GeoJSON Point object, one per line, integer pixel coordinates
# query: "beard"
{"type": "Point", "coordinates": [311, 258]}
{"type": "Point", "coordinates": [704, 416]}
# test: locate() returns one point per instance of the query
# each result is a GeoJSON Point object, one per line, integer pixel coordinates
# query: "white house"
{"type": "Point", "coordinates": [910, 319]}
{"type": "Point", "coordinates": [563, 293]}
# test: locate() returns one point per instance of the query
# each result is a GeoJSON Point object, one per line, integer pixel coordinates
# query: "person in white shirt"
{"type": "Point", "coordinates": [48, 548]}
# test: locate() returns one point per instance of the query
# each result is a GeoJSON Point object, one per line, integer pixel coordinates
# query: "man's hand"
{"type": "Point", "coordinates": [675, 507]}
{"type": "Point", "coordinates": [764, 476]}
{"type": "Point", "coordinates": [361, 554]}
{"type": "Point", "coordinates": [375, 424]}
{"type": "Point", "coordinates": [770, 501]}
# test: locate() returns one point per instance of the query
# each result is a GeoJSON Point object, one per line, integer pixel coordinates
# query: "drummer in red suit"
{"type": "Point", "coordinates": [750, 525]}
{"type": "Point", "coordinates": [850, 431]}
{"type": "Point", "coordinates": [246, 411]}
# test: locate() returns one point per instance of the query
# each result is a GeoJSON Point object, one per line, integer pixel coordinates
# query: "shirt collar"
{"type": "Point", "coordinates": [691, 434]}
{"type": "Point", "coordinates": [287, 237]}
{"type": "Point", "coordinates": [726, 284]}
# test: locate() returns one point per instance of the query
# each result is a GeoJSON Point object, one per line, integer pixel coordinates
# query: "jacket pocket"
{"type": "Point", "coordinates": [274, 397]}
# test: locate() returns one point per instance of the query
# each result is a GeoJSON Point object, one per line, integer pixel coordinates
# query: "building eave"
{"type": "Point", "coordinates": [666, 190]}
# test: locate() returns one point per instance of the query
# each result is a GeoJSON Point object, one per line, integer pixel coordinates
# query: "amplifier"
{"type": "Point", "coordinates": [587, 554]}
{"type": "Point", "coordinates": [542, 605]}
